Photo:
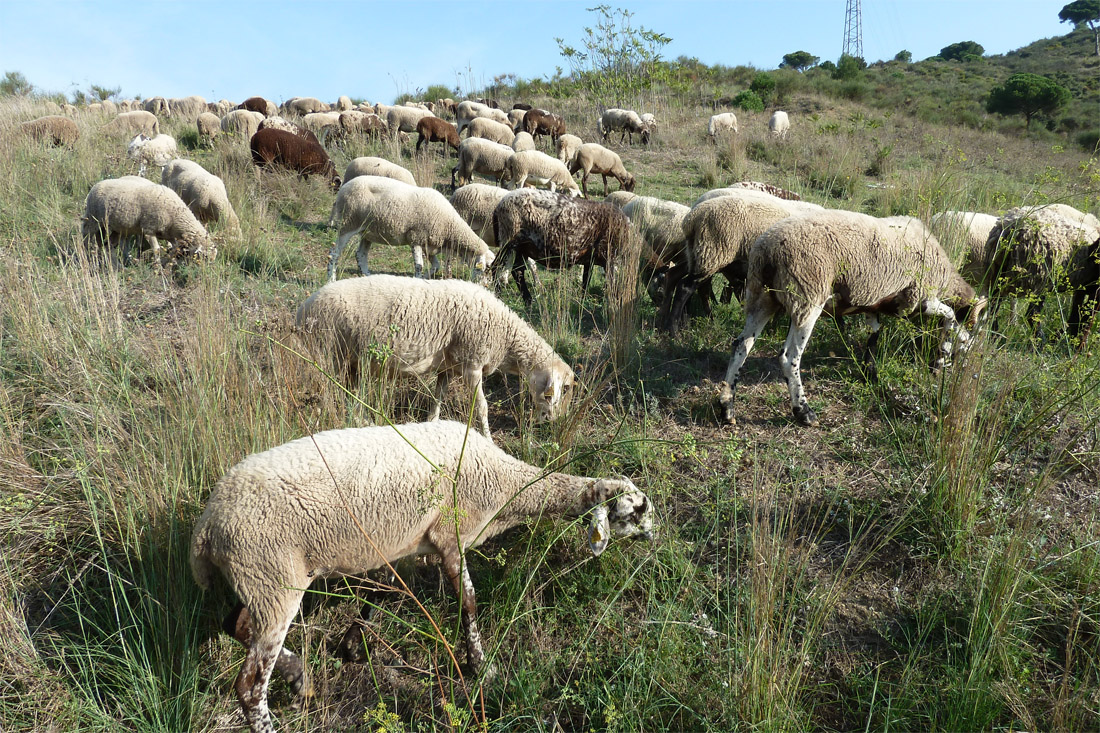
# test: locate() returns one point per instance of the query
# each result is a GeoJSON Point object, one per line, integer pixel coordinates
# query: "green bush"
{"type": "Point", "coordinates": [749, 100]}
{"type": "Point", "coordinates": [763, 85]}
{"type": "Point", "coordinates": [1089, 139]}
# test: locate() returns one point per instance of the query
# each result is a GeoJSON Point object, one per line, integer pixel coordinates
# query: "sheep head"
{"type": "Point", "coordinates": [551, 389]}
{"type": "Point", "coordinates": [621, 510]}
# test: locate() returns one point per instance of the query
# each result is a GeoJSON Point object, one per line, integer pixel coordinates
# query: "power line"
{"type": "Point", "coordinates": [853, 29]}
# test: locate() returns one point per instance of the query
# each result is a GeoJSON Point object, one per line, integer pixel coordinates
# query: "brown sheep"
{"type": "Point", "coordinates": [433, 129]}
{"type": "Point", "coordinates": [540, 122]}
{"type": "Point", "coordinates": [293, 152]}
{"type": "Point", "coordinates": [258, 104]}
{"type": "Point", "coordinates": [54, 129]}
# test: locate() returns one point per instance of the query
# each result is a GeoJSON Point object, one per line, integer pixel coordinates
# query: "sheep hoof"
{"type": "Point", "coordinates": [295, 675]}
{"type": "Point", "coordinates": [805, 415]}
{"type": "Point", "coordinates": [725, 401]}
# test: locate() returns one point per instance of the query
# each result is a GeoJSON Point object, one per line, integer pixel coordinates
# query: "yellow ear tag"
{"type": "Point", "coordinates": [597, 535]}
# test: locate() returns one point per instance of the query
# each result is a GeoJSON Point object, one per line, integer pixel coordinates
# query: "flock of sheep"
{"type": "Point", "coordinates": [346, 501]}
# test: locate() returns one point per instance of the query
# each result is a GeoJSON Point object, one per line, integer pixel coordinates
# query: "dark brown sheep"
{"type": "Point", "coordinates": [490, 103]}
{"type": "Point", "coordinates": [522, 105]}
{"type": "Point", "coordinates": [291, 151]}
{"type": "Point", "coordinates": [540, 122]}
{"type": "Point", "coordinates": [53, 129]}
{"type": "Point", "coordinates": [259, 104]}
{"type": "Point", "coordinates": [433, 129]}
{"type": "Point", "coordinates": [280, 123]}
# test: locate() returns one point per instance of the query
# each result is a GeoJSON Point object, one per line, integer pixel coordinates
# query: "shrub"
{"type": "Point", "coordinates": [763, 85]}
{"type": "Point", "coordinates": [848, 67]}
{"type": "Point", "coordinates": [1089, 139]}
{"type": "Point", "coordinates": [749, 100]}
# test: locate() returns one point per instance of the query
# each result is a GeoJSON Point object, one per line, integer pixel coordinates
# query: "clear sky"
{"type": "Point", "coordinates": [377, 50]}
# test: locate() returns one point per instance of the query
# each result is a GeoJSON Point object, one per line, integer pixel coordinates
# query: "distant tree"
{"type": "Point", "coordinates": [1028, 95]}
{"type": "Point", "coordinates": [102, 93]}
{"type": "Point", "coordinates": [749, 100]}
{"type": "Point", "coordinates": [848, 67]}
{"type": "Point", "coordinates": [763, 85]}
{"type": "Point", "coordinates": [800, 60]}
{"type": "Point", "coordinates": [15, 84]}
{"type": "Point", "coordinates": [903, 56]}
{"type": "Point", "coordinates": [439, 91]}
{"type": "Point", "coordinates": [828, 66]}
{"type": "Point", "coordinates": [962, 51]}
{"type": "Point", "coordinates": [1086, 12]}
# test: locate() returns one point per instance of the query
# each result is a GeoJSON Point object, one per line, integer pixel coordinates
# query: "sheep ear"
{"type": "Point", "coordinates": [599, 531]}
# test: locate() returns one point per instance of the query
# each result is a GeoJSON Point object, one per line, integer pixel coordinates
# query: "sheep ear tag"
{"type": "Point", "coordinates": [599, 531]}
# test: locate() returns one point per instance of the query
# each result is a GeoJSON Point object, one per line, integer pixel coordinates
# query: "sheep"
{"type": "Point", "coordinates": [539, 122]}
{"type": "Point", "coordinates": [962, 232]}
{"type": "Point", "coordinates": [304, 105]}
{"type": "Point", "coordinates": [258, 104]}
{"type": "Point", "coordinates": [484, 157]}
{"type": "Point", "coordinates": [53, 129]}
{"type": "Point", "coordinates": [719, 234]}
{"type": "Point", "coordinates": [538, 168]}
{"type": "Point", "coordinates": [566, 147]}
{"type": "Point", "coordinates": [151, 151]}
{"type": "Point", "coordinates": [650, 122]}
{"type": "Point", "coordinates": [593, 157]}
{"type": "Point", "coordinates": [1034, 250]}
{"type": "Point", "coordinates": [157, 106]}
{"type": "Point", "coordinates": [187, 107]}
{"type": "Point", "coordinates": [371, 166]}
{"type": "Point", "coordinates": [404, 119]}
{"type": "Point", "coordinates": [242, 122]}
{"type": "Point", "coordinates": [350, 500]}
{"type": "Point", "coordinates": [515, 118]}
{"type": "Point", "coordinates": [558, 231]}
{"type": "Point", "coordinates": [619, 199]}
{"type": "Point", "coordinates": [468, 110]}
{"type": "Point", "coordinates": [133, 123]}
{"type": "Point", "coordinates": [356, 122]}
{"type": "Point", "coordinates": [343, 104]}
{"type": "Point", "coordinates": [522, 141]}
{"type": "Point", "coordinates": [220, 108]}
{"type": "Point", "coordinates": [845, 262]}
{"type": "Point", "coordinates": [661, 226]}
{"type": "Point", "coordinates": [447, 327]}
{"type": "Point", "coordinates": [281, 123]}
{"type": "Point", "coordinates": [318, 121]}
{"type": "Point", "coordinates": [202, 191]}
{"type": "Point", "coordinates": [492, 130]}
{"type": "Point", "coordinates": [120, 208]}
{"type": "Point", "coordinates": [208, 125]}
{"type": "Point", "coordinates": [421, 218]}
{"type": "Point", "coordinates": [299, 154]}
{"type": "Point", "coordinates": [626, 122]}
{"type": "Point", "coordinates": [721, 124]}
{"type": "Point", "coordinates": [475, 203]}
{"type": "Point", "coordinates": [446, 105]}
{"type": "Point", "coordinates": [779, 125]}
{"type": "Point", "coordinates": [759, 186]}
{"type": "Point", "coordinates": [433, 129]}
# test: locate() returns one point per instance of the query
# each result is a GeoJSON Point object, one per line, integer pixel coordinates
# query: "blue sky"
{"type": "Point", "coordinates": [377, 50]}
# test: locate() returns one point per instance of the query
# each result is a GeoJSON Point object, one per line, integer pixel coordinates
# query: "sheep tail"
{"type": "Point", "coordinates": [202, 569]}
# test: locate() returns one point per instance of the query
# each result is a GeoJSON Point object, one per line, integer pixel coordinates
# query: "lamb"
{"type": "Point", "coordinates": [484, 157]}
{"type": "Point", "coordinates": [242, 122]}
{"type": "Point", "coordinates": [492, 130]}
{"type": "Point", "coordinates": [433, 129]}
{"type": "Point", "coordinates": [371, 166]}
{"type": "Point", "coordinates": [522, 141]}
{"type": "Point", "coordinates": [595, 158]}
{"type": "Point", "coordinates": [962, 232]}
{"type": "Point", "coordinates": [649, 121]}
{"type": "Point", "coordinates": [208, 125]}
{"type": "Point", "coordinates": [421, 218]}
{"type": "Point", "coordinates": [447, 327]}
{"type": "Point", "coordinates": [468, 110]}
{"type": "Point", "coordinates": [538, 168]}
{"type": "Point", "coordinates": [120, 208]}
{"type": "Point", "coordinates": [134, 123]}
{"type": "Point", "coordinates": [721, 124]}
{"type": "Point", "coordinates": [151, 151]}
{"type": "Point", "coordinates": [291, 151]}
{"type": "Point", "coordinates": [779, 125]}
{"type": "Point", "coordinates": [626, 122]}
{"type": "Point", "coordinates": [719, 234]}
{"type": "Point", "coordinates": [53, 129]}
{"type": "Point", "coordinates": [844, 262]}
{"type": "Point", "coordinates": [566, 147]}
{"type": "Point", "coordinates": [539, 122]}
{"type": "Point", "coordinates": [276, 521]}
{"type": "Point", "coordinates": [1034, 250]}
{"type": "Point", "coordinates": [258, 104]}
{"type": "Point", "coordinates": [202, 191]}
{"type": "Point", "coordinates": [404, 119]}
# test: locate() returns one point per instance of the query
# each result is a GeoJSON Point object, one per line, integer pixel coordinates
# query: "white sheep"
{"type": "Point", "coordinates": [348, 501]}
{"type": "Point", "coordinates": [625, 121]}
{"type": "Point", "coordinates": [515, 118]}
{"type": "Point", "coordinates": [470, 110]}
{"type": "Point", "coordinates": [157, 106]}
{"type": "Point", "coordinates": [962, 232]}
{"type": "Point", "coordinates": [843, 262]}
{"type": "Point", "coordinates": [343, 104]}
{"type": "Point", "coordinates": [619, 199]}
{"type": "Point", "coordinates": [404, 119]}
{"type": "Point", "coordinates": [721, 124]}
{"type": "Point", "coordinates": [736, 188]}
{"type": "Point", "coordinates": [208, 125]}
{"type": "Point", "coordinates": [566, 147]}
{"type": "Point", "coordinates": [488, 129]}
{"type": "Point", "coordinates": [661, 225]}
{"type": "Point", "coordinates": [304, 105]}
{"type": "Point", "coordinates": [318, 121]}
{"type": "Point", "coordinates": [779, 124]}
{"type": "Point", "coordinates": [538, 168]}
{"type": "Point", "coordinates": [484, 157]}
{"type": "Point", "coordinates": [372, 166]}
{"type": "Point", "coordinates": [475, 203]}
{"type": "Point", "coordinates": [202, 191]}
{"type": "Point", "coordinates": [117, 209]}
{"type": "Point", "coordinates": [367, 185]}
{"type": "Point", "coordinates": [242, 122]}
{"type": "Point", "coordinates": [595, 158]}
{"type": "Point", "coordinates": [523, 141]}
{"type": "Point", "coordinates": [138, 122]}
{"type": "Point", "coordinates": [420, 218]}
{"type": "Point", "coordinates": [146, 151]}
{"type": "Point", "coordinates": [449, 328]}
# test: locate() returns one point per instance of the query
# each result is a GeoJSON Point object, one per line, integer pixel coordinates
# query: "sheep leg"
{"type": "Point", "coordinates": [1034, 313]}
{"type": "Point", "coordinates": [604, 176]}
{"type": "Point", "coordinates": [683, 294]}
{"type": "Point", "coordinates": [518, 272]}
{"type": "Point", "coordinates": [418, 260]}
{"type": "Point", "coordinates": [455, 567]}
{"type": "Point", "coordinates": [238, 624]}
{"type": "Point", "coordinates": [951, 331]}
{"type": "Point", "coordinates": [586, 275]}
{"type": "Point", "coordinates": [755, 320]}
{"type": "Point", "coordinates": [869, 365]}
{"type": "Point", "coordinates": [481, 406]}
{"type": "Point", "coordinates": [664, 314]}
{"type": "Point", "coordinates": [442, 381]}
{"type": "Point", "coordinates": [1082, 311]}
{"type": "Point", "coordinates": [335, 252]}
{"type": "Point", "coordinates": [791, 357]}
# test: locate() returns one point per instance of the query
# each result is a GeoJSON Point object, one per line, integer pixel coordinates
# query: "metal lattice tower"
{"type": "Point", "coordinates": [853, 29]}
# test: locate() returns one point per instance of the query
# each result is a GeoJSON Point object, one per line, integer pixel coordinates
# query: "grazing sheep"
{"type": "Point", "coordinates": [355, 122]}
{"type": "Point", "coordinates": [208, 125]}
{"type": "Point", "coordinates": [157, 106]}
{"type": "Point", "coordinates": [318, 121]}
{"type": "Point", "coordinates": [242, 122]}
{"type": "Point", "coordinates": [351, 500]}
{"type": "Point", "coordinates": [343, 104]}
{"type": "Point", "coordinates": [371, 166]}
{"type": "Point", "coordinates": [420, 218]}
{"type": "Point", "coordinates": [286, 149]}
{"type": "Point", "coordinates": [469, 110]}
{"type": "Point", "coordinates": [446, 327]}
{"type": "Point", "coordinates": [475, 203]}
{"type": "Point", "coordinates": [538, 168]}
{"type": "Point", "coordinates": [404, 119]}
{"type": "Point", "coordinates": [258, 104]}
{"type": "Point", "coordinates": [539, 122]}
{"type": "Point", "coordinates": [52, 129]}
{"type": "Point", "coordinates": [661, 225]}
{"type": "Point", "coordinates": [736, 188]}
{"type": "Point", "coordinates": [281, 123]}
{"type": "Point", "coordinates": [515, 118]}
{"type": "Point", "coordinates": [365, 186]}
{"type": "Point", "coordinates": [304, 105]}
{"type": "Point", "coordinates": [649, 121]}
{"type": "Point", "coordinates": [481, 156]}
{"type": "Point", "coordinates": [220, 108]}
{"type": "Point", "coordinates": [719, 234]}
{"type": "Point", "coordinates": [626, 122]}
{"type": "Point", "coordinates": [433, 129]}
{"type": "Point", "coordinates": [138, 122]}
{"type": "Point", "coordinates": [595, 158]}
{"type": "Point", "coordinates": [492, 130]}
{"type": "Point", "coordinates": [117, 209]}
{"type": "Point", "coordinates": [151, 151]}
{"type": "Point", "coordinates": [843, 262]}
{"type": "Point", "coordinates": [619, 199]}
{"type": "Point", "coordinates": [446, 105]}
{"type": "Point", "coordinates": [523, 141]}
{"type": "Point", "coordinates": [962, 232]}
{"type": "Point", "coordinates": [1034, 250]}
{"type": "Point", "coordinates": [187, 107]}
{"type": "Point", "coordinates": [566, 147]}
{"type": "Point", "coordinates": [779, 125]}
{"type": "Point", "coordinates": [721, 124]}
{"type": "Point", "coordinates": [202, 191]}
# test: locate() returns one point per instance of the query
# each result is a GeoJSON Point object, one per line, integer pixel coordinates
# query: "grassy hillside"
{"type": "Point", "coordinates": [924, 558]}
